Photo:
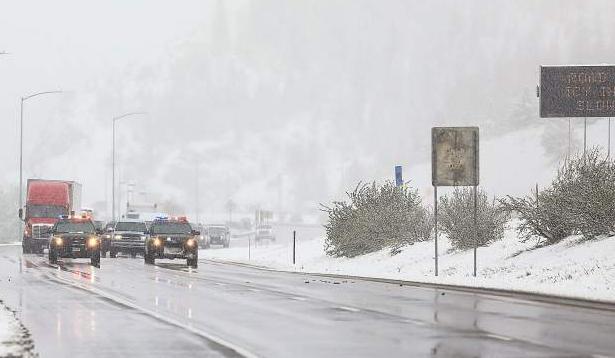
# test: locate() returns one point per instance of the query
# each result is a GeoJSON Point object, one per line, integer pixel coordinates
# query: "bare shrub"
{"type": "Point", "coordinates": [456, 219]}
{"type": "Point", "coordinates": [375, 218]}
{"type": "Point", "coordinates": [580, 200]}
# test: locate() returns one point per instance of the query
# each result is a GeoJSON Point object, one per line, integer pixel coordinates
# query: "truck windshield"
{"type": "Point", "coordinates": [171, 228]}
{"type": "Point", "coordinates": [217, 231]}
{"type": "Point", "coordinates": [45, 211]}
{"type": "Point", "coordinates": [68, 227]}
{"type": "Point", "coordinates": [130, 226]}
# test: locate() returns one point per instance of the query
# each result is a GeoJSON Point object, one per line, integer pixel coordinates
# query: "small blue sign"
{"type": "Point", "coordinates": [399, 181]}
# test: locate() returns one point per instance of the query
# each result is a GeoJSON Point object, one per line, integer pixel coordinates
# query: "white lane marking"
{"type": "Point", "coordinates": [297, 298]}
{"type": "Point", "coordinates": [255, 290]}
{"type": "Point", "coordinates": [418, 323]}
{"type": "Point", "coordinates": [600, 356]}
{"type": "Point", "coordinates": [241, 351]}
{"type": "Point", "coordinates": [496, 336]}
{"type": "Point", "coordinates": [220, 284]}
{"type": "Point", "coordinates": [349, 309]}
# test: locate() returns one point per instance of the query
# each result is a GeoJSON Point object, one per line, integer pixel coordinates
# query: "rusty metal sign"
{"type": "Point", "coordinates": [454, 156]}
{"type": "Point", "coordinates": [577, 91]}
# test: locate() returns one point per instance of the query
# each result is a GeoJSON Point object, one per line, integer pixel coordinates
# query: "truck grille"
{"type": "Point", "coordinates": [41, 231]}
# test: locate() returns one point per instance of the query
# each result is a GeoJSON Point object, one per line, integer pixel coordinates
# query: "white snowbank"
{"type": "Point", "coordinates": [572, 269]}
{"type": "Point", "coordinates": [12, 342]}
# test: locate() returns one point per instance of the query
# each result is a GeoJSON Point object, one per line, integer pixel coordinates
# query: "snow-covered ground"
{"type": "Point", "coordinates": [15, 341]}
{"type": "Point", "coordinates": [570, 268]}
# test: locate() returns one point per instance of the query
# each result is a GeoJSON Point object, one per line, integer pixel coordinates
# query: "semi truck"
{"type": "Point", "coordinates": [46, 202]}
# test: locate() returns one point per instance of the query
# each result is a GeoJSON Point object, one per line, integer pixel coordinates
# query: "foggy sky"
{"type": "Point", "coordinates": [278, 104]}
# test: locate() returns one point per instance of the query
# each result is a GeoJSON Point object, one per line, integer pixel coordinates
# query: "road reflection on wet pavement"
{"type": "Point", "coordinates": [126, 308]}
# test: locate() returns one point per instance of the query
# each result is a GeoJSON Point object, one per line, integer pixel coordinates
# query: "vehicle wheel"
{"type": "Point", "coordinates": [192, 262]}
{"type": "Point", "coordinates": [95, 259]}
{"type": "Point", "coordinates": [53, 256]}
{"type": "Point", "coordinates": [148, 259]}
{"type": "Point", "coordinates": [103, 254]}
{"type": "Point", "coordinates": [26, 247]}
{"type": "Point", "coordinates": [133, 254]}
{"type": "Point", "coordinates": [112, 254]}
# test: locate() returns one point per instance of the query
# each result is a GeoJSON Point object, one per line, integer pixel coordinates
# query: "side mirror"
{"type": "Point", "coordinates": [99, 231]}
{"type": "Point", "coordinates": [196, 232]}
{"type": "Point", "coordinates": [20, 213]}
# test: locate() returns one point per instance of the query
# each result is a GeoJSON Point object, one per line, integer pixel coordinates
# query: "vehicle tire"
{"type": "Point", "coordinates": [112, 254]}
{"type": "Point", "coordinates": [103, 254]}
{"type": "Point", "coordinates": [95, 259]}
{"type": "Point", "coordinates": [25, 244]}
{"type": "Point", "coordinates": [148, 259]}
{"type": "Point", "coordinates": [194, 263]}
{"type": "Point", "coordinates": [53, 256]}
{"type": "Point", "coordinates": [133, 255]}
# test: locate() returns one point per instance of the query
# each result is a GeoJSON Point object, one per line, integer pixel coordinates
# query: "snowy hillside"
{"type": "Point", "coordinates": [583, 270]}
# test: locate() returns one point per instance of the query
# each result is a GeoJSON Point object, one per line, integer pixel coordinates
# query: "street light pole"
{"type": "Point", "coordinates": [115, 119]}
{"type": "Point", "coordinates": [23, 99]}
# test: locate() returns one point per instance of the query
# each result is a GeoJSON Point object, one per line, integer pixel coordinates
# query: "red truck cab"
{"type": "Point", "coordinates": [46, 202]}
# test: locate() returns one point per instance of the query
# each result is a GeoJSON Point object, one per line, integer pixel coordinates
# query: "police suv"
{"type": "Point", "coordinates": [172, 239]}
{"type": "Point", "coordinates": [74, 238]}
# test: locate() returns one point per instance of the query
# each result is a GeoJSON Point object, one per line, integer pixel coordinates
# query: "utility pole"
{"type": "Point", "coordinates": [23, 99]}
{"type": "Point", "coordinates": [115, 119]}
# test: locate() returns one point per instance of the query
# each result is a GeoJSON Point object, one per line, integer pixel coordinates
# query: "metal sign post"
{"type": "Point", "coordinates": [435, 219]}
{"type": "Point", "coordinates": [399, 181]}
{"type": "Point", "coordinates": [454, 162]}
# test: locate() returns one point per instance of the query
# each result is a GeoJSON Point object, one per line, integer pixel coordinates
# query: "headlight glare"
{"type": "Point", "coordinates": [58, 241]}
{"type": "Point", "coordinates": [117, 237]}
{"type": "Point", "coordinates": [92, 242]}
{"type": "Point", "coordinates": [157, 242]}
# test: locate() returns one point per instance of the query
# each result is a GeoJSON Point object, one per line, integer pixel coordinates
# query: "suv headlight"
{"type": "Point", "coordinates": [92, 242]}
{"type": "Point", "coordinates": [117, 237]}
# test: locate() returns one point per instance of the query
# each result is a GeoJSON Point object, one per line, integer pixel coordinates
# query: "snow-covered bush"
{"type": "Point", "coordinates": [580, 200]}
{"type": "Point", "coordinates": [456, 218]}
{"type": "Point", "coordinates": [376, 217]}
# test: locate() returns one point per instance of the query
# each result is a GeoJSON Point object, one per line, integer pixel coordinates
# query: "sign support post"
{"type": "Point", "coordinates": [435, 216]}
{"type": "Point", "coordinates": [608, 149]}
{"type": "Point", "coordinates": [584, 136]}
{"type": "Point", "coordinates": [475, 227]}
{"type": "Point", "coordinates": [454, 162]}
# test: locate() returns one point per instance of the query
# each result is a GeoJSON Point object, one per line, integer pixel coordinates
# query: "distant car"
{"type": "Point", "coordinates": [128, 237]}
{"type": "Point", "coordinates": [105, 238]}
{"type": "Point", "coordinates": [98, 225]}
{"type": "Point", "coordinates": [172, 239]}
{"type": "Point", "coordinates": [203, 239]}
{"type": "Point", "coordinates": [264, 232]}
{"type": "Point", "coordinates": [74, 238]}
{"type": "Point", "coordinates": [218, 235]}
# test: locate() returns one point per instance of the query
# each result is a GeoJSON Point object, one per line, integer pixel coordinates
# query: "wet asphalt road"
{"type": "Point", "coordinates": [127, 309]}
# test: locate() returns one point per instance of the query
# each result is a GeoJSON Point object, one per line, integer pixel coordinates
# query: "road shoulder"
{"type": "Point", "coordinates": [15, 339]}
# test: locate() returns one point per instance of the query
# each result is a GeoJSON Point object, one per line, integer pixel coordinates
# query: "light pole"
{"type": "Point", "coordinates": [115, 119]}
{"type": "Point", "coordinates": [23, 99]}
